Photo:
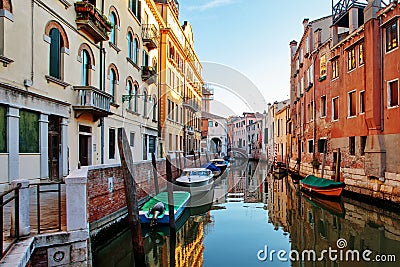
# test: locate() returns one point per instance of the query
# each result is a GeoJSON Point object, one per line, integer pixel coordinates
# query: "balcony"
{"type": "Point", "coordinates": [149, 75]}
{"type": "Point", "coordinates": [90, 20]}
{"type": "Point", "coordinates": [92, 101]}
{"type": "Point", "coordinates": [192, 104]}
{"type": "Point", "coordinates": [150, 36]}
{"type": "Point", "coordinates": [189, 130]}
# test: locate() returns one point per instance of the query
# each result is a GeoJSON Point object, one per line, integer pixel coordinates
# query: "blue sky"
{"type": "Point", "coordinates": [251, 36]}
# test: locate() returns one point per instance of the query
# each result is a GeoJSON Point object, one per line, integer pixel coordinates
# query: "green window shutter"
{"type": "Point", "coordinates": [55, 53]}
{"type": "Point", "coordinates": [28, 132]}
{"type": "Point", "coordinates": [3, 129]}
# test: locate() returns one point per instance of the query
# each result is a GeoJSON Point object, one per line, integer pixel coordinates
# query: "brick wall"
{"type": "Point", "coordinates": [103, 202]}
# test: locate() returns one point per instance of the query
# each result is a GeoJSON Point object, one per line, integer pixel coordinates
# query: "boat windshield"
{"type": "Point", "coordinates": [194, 173]}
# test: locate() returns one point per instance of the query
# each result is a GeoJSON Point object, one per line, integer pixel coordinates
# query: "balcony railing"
{"type": "Point", "coordinates": [190, 130]}
{"type": "Point", "coordinates": [343, 6]}
{"type": "Point", "coordinates": [90, 20]}
{"type": "Point", "coordinates": [149, 75]}
{"type": "Point", "coordinates": [191, 103]}
{"type": "Point", "coordinates": [93, 101]}
{"type": "Point", "coordinates": [150, 36]}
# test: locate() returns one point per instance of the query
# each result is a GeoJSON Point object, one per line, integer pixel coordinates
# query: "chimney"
{"type": "Point", "coordinates": [317, 37]}
{"type": "Point", "coordinates": [371, 9]}
{"type": "Point", "coordinates": [353, 19]}
{"type": "Point", "coordinates": [293, 48]}
{"type": "Point", "coordinates": [305, 23]}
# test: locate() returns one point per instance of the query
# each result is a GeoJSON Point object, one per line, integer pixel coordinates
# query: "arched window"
{"type": "Point", "coordinates": [85, 67]}
{"type": "Point", "coordinates": [130, 46]}
{"type": "Point", "coordinates": [112, 84]}
{"type": "Point", "coordinates": [145, 103]}
{"type": "Point", "coordinates": [55, 53]}
{"type": "Point", "coordinates": [129, 88]}
{"type": "Point", "coordinates": [135, 51]}
{"type": "Point", "coordinates": [154, 109]}
{"type": "Point", "coordinates": [135, 98]}
{"type": "Point", "coordinates": [113, 33]}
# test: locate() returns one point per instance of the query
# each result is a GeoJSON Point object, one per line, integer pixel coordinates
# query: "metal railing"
{"type": "Point", "coordinates": [39, 192]}
{"type": "Point", "coordinates": [3, 202]}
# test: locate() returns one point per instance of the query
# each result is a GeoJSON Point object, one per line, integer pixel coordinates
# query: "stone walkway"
{"type": "Point", "coordinates": [48, 212]}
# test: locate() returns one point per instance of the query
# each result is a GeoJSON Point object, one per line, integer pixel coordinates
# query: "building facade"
{"type": "Point", "coordinates": [181, 84]}
{"type": "Point", "coordinates": [88, 68]}
{"type": "Point", "coordinates": [350, 127]}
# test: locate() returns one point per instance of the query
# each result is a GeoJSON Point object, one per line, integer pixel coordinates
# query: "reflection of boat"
{"type": "Point", "coordinates": [296, 177]}
{"type": "Point", "coordinates": [335, 206]}
{"type": "Point", "coordinates": [201, 199]}
{"type": "Point", "coordinates": [279, 168]}
{"type": "Point", "coordinates": [196, 180]}
{"type": "Point", "coordinates": [322, 186]}
{"type": "Point", "coordinates": [279, 176]}
{"type": "Point", "coordinates": [164, 230]}
{"type": "Point", "coordinates": [180, 201]}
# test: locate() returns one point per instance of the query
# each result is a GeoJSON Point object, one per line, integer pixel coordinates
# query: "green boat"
{"type": "Point", "coordinates": [322, 186]}
{"type": "Point", "coordinates": [180, 201]}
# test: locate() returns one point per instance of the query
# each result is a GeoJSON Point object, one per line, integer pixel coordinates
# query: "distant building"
{"type": "Point", "coordinates": [216, 139]}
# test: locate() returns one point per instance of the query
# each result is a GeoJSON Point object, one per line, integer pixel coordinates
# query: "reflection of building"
{"type": "Point", "coordinates": [317, 226]}
{"type": "Point", "coordinates": [277, 203]}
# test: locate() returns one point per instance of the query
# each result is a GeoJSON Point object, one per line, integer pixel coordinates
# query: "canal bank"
{"type": "Point", "coordinates": [251, 212]}
{"type": "Point", "coordinates": [94, 210]}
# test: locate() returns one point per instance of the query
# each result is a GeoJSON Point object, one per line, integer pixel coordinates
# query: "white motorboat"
{"type": "Point", "coordinates": [196, 180]}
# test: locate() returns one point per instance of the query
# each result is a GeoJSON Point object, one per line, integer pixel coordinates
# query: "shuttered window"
{"type": "Point", "coordinates": [28, 132]}
{"type": "Point", "coordinates": [55, 53]}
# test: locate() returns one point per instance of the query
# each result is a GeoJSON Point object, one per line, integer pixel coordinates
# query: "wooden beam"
{"type": "Point", "coordinates": [131, 198]}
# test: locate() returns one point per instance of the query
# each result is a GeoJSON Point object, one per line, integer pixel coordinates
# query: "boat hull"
{"type": "Point", "coordinates": [146, 219]}
{"type": "Point", "coordinates": [196, 188]}
{"type": "Point", "coordinates": [329, 192]}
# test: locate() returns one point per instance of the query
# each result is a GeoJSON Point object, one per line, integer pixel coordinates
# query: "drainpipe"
{"type": "Point", "coordinates": [102, 75]}
{"type": "Point", "coordinates": [32, 42]}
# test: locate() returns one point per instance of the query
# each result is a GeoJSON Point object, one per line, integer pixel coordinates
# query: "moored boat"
{"type": "Point", "coordinates": [211, 166]}
{"type": "Point", "coordinates": [220, 163]}
{"type": "Point", "coordinates": [322, 186]}
{"type": "Point", "coordinates": [279, 168]}
{"type": "Point", "coordinates": [196, 180]}
{"type": "Point", "coordinates": [181, 198]}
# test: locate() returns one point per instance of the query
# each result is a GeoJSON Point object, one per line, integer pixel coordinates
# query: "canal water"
{"type": "Point", "coordinates": [260, 220]}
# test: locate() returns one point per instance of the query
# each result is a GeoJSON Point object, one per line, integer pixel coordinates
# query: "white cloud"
{"type": "Point", "coordinates": [211, 4]}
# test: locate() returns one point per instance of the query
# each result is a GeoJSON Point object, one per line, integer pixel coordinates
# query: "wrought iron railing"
{"type": "Point", "coordinates": [5, 198]}
{"type": "Point", "coordinates": [46, 188]}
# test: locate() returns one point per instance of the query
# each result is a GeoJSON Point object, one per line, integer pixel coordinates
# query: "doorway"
{"type": "Point", "coordinates": [54, 147]}
{"type": "Point", "coordinates": [85, 140]}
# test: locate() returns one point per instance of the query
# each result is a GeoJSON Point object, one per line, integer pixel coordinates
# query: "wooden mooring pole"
{"type": "Point", "coordinates": [155, 173]}
{"type": "Point", "coordinates": [172, 226]}
{"type": "Point", "coordinates": [170, 188]}
{"type": "Point", "coordinates": [131, 198]}
{"type": "Point", "coordinates": [199, 159]}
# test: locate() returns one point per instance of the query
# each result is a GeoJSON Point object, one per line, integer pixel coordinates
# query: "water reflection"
{"type": "Point", "coordinates": [252, 210]}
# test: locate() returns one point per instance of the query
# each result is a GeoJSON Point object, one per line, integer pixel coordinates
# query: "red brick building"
{"type": "Point", "coordinates": [351, 98]}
